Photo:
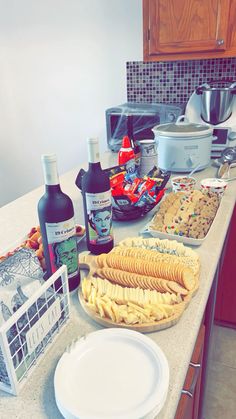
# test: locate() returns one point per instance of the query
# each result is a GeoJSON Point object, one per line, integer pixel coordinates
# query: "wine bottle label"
{"type": "Point", "coordinates": [62, 246]}
{"type": "Point", "coordinates": [99, 212]}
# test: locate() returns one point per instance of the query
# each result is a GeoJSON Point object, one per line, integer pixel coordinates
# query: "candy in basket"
{"type": "Point", "coordinates": [134, 196]}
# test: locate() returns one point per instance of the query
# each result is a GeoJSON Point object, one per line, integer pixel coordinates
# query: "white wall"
{"type": "Point", "coordinates": [62, 64]}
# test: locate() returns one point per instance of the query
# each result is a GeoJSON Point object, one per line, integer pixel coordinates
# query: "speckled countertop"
{"type": "Point", "coordinates": [36, 399]}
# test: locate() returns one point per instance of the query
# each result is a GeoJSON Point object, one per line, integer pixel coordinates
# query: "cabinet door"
{"type": "Point", "coordinates": [185, 26]}
{"type": "Point", "coordinates": [189, 401]}
{"type": "Point", "coordinates": [225, 312]}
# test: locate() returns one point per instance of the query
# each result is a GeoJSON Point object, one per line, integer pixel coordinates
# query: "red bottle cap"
{"type": "Point", "coordinates": [126, 152]}
{"type": "Point", "coordinates": [126, 142]}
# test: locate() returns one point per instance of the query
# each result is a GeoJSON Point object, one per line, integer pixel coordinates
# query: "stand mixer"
{"type": "Point", "coordinates": [214, 103]}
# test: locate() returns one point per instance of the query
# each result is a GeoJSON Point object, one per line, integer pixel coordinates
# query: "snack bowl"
{"type": "Point", "coordinates": [134, 196]}
{"type": "Point", "coordinates": [183, 183]}
{"type": "Point", "coordinates": [213, 186]}
{"type": "Point", "coordinates": [124, 210]}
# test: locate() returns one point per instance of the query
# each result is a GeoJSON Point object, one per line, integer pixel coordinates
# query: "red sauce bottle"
{"type": "Point", "coordinates": [126, 152]}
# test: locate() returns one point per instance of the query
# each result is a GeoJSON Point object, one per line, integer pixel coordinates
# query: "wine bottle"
{"type": "Point", "coordinates": [96, 193]}
{"type": "Point", "coordinates": [57, 225]}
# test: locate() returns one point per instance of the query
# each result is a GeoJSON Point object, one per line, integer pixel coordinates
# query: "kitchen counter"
{"type": "Point", "coordinates": [37, 397]}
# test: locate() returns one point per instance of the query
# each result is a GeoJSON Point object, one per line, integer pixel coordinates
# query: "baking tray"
{"type": "Point", "coordinates": [181, 239]}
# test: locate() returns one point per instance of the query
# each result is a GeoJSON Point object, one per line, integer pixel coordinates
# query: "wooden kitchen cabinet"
{"type": "Point", "coordinates": [225, 312]}
{"type": "Point", "coordinates": [188, 406]}
{"type": "Point", "coordinates": [188, 29]}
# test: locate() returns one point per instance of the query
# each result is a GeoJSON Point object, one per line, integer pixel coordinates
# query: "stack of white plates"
{"type": "Point", "coordinates": [112, 373]}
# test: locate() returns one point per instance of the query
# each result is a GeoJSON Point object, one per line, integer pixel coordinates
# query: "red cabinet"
{"type": "Point", "coordinates": [189, 401]}
{"type": "Point", "coordinates": [225, 312]}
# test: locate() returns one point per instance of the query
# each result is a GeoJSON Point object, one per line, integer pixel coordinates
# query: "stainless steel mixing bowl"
{"type": "Point", "coordinates": [217, 100]}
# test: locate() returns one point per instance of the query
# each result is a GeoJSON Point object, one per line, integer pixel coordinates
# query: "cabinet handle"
{"type": "Point", "coordinates": [187, 392]}
{"type": "Point", "coordinates": [194, 365]}
{"type": "Point", "coordinates": [220, 42]}
{"type": "Point", "coordinates": [190, 391]}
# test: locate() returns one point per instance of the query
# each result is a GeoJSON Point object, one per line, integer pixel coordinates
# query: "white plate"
{"type": "Point", "coordinates": [112, 373]}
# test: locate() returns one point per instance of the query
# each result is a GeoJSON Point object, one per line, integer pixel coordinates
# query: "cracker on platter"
{"type": "Point", "coordinates": [155, 269]}
{"type": "Point", "coordinates": [154, 255]}
{"type": "Point", "coordinates": [142, 281]}
{"type": "Point", "coordinates": [161, 245]}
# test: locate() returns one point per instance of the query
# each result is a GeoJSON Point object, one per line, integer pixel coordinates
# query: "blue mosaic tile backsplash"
{"type": "Point", "coordinates": [175, 81]}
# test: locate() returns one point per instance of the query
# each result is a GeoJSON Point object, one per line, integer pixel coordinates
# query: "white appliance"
{"type": "Point", "coordinates": [183, 146]}
{"type": "Point", "coordinates": [224, 133]}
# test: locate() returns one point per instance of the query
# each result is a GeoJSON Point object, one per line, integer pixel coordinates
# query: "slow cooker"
{"type": "Point", "coordinates": [182, 146]}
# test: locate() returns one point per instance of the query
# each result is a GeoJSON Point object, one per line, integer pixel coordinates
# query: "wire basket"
{"type": "Point", "coordinates": [27, 335]}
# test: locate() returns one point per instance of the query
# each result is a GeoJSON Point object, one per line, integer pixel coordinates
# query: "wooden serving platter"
{"type": "Point", "coordinates": [88, 262]}
{"type": "Point", "coordinates": [143, 327]}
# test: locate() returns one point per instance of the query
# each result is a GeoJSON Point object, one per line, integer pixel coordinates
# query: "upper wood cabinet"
{"type": "Point", "coordinates": [188, 29]}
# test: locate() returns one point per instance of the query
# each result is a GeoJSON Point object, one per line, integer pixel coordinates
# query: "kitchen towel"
{"type": "Point", "coordinates": [20, 276]}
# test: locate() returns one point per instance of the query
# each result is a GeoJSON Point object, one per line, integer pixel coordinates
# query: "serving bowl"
{"type": "Point", "coordinates": [183, 183]}
{"type": "Point", "coordinates": [213, 186]}
{"type": "Point", "coordinates": [124, 210]}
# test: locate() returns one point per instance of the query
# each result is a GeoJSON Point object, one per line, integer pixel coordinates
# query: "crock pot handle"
{"type": "Point", "coordinates": [233, 87]}
{"type": "Point", "coordinates": [155, 138]}
{"type": "Point", "coordinates": [182, 120]}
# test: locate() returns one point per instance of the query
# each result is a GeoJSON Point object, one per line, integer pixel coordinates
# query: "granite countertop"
{"type": "Point", "coordinates": [37, 399]}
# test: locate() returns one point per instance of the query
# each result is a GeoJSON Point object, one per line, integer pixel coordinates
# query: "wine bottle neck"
{"type": "Point", "coordinates": [52, 188]}
{"type": "Point", "coordinates": [93, 150]}
{"type": "Point", "coordinates": [50, 170]}
{"type": "Point", "coordinates": [95, 166]}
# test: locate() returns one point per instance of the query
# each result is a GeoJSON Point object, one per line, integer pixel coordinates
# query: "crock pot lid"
{"type": "Point", "coordinates": [185, 129]}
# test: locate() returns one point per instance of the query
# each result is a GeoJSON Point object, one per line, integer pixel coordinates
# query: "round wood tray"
{"type": "Point", "coordinates": [143, 327]}
{"type": "Point", "coordinates": [88, 262]}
